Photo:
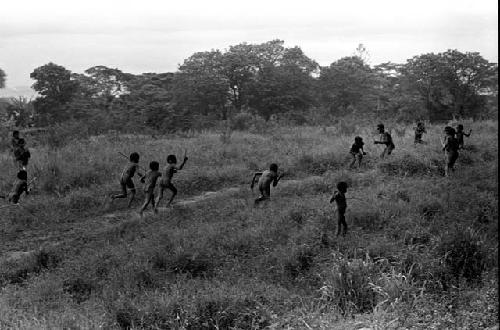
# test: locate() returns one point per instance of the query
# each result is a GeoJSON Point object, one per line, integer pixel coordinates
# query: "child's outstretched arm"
{"type": "Point", "coordinates": [277, 179]}
{"type": "Point", "coordinates": [332, 199]}
{"type": "Point", "coordinates": [256, 174]}
{"type": "Point", "coordinates": [183, 162]}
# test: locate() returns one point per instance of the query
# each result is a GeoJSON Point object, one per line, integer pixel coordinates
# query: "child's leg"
{"type": "Point", "coordinates": [132, 197]}
{"type": "Point", "coordinates": [174, 193]}
{"type": "Point", "coordinates": [153, 203]}
{"type": "Point", "coordinates": [123, 187]}
{"type": "Point", "coordinates": [160, 195]}
{"type": "Point", "coordinates": [339, 223]}
{"type": "Point", "coordinates": [353, 161]}
{"type": "Point", "coordinates": [383, 152]}
{"type": "Point", "coordinates": [344, 224]}
{"type": "Point", "coordinates": [359, 158]}
{"type": "Point", "coordinates": [146, 202]}
{"type": "Point", "coordinates": [262, 196]}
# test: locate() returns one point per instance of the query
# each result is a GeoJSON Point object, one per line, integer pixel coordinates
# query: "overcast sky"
{"type": "Point", "coordinates": [157, 35]}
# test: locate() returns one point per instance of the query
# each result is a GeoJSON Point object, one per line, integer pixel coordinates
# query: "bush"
{"type": "Point", "coordinates": [29, 264]}
{"type": "Point", "coordinates": [408, 166]}
{"type": "Point", "coordinates": [347, 286]}
{"type": "Point", "coordinates": [241, 121]}
{"type": "Point", "coordinates": [229, 313]}
{"type": "Point", "coordinates": [463, 255]}
{"type": "Point", "coordinates": [318, 164]}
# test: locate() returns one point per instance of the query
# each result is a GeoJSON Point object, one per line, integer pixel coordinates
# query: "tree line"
{"type": "Point", "coordinates": [266, 80]}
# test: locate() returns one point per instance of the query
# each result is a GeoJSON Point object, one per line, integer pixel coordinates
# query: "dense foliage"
{"type": "Point", "coordinates": [267, 81]}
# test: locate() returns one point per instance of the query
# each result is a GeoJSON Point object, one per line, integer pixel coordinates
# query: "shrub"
{"type": "Point", "coordinates": [241, 121]}
{"type": "Point", "coordinates": [429, 210]}
{"type": "Point", "coordinates": [463, 255]}
{"type": "Point", "coordinates": [366, 219]}
{"type": "Point", "coordinates": [78, 288]}
{"type": "Point", "coordinates": [299, 261]}
{"type": "Point", "coordinates": [408, 166]}
{"type": "Point", "coordinates": [31, 263]}
{"type": "Point", "coordinates": [229, 313]}
{"type": "Point", "coordinates": [347, 286]}
{"type": "Point", "coordinates": [318, 164]}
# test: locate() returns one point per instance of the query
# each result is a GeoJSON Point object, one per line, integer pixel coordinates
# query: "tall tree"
{"type": "Point", "coordinates": [451, 83]}
{"type": "Point", "coordinates": [2, 78]}
{"type": "Point", "coordinates": [348, 83]}
{"type": "Point", "coordinates": [56, 87]}
{"type": "Point", "coordinates": [200, 85]}
{"type": "Point", "coordinates": [284, 82]}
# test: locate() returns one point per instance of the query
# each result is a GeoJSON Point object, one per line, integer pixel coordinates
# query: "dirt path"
{"type": "Point", "coordinates": [68, 233]}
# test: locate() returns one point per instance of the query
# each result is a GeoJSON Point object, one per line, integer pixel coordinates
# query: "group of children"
{"type": "Point", "coordinates": [452, 142]}
{"type": "Point", "coordinates": [21, 156]}
{"type": "Point", "coordinates": [149, 179]}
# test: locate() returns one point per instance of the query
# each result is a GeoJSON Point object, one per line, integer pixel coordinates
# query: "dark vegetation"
{"type": "Point", "coordinates": [249, 85]}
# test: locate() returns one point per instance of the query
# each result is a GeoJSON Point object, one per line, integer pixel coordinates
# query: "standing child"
{"type": "Point", "coordinates": [126, 179]}
{"type": "Point", "coordinates": [149, 186]}
{"type": "Point", "coordinates": [20, 186]}
{"type": "Point", "coordinates": [339, 198]}
{"type": "Point", "coordinates": [450, 147]}
{"type": "Point", "coordinates": [22, 154]}
{"type": "Point", "coordinates": [166, 180]}
{"type": "Point", "coordinates": [385, 139]}
{"type": "Point", "coordinates": [357, 151]}
{"type": "Point", "coordinates": [266, 178]}
{"type": "Point", "coordinates": [419, 131]}
{"type": "Point", "coordinates": [460, 135]}
{"type": "Point", "coordinates": [14, 142]}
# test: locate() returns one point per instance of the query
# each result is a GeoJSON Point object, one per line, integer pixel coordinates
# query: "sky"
{"type": "Point", "coordinates": [157, 35]}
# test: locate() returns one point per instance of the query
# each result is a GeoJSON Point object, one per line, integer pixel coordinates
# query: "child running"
{"type": "Point", "coordinates": [126, 179]}
{"type": "Point", "coordinates": [14, 142]}
{"type": "Point", "coordinates": [357, 151]}
{"type": "Point", "coordinates": [450, 147]}
{"type": "Point", "coordinates": [20, 186]}
{"type": "Point", "coordinates": [460, 135]}
{"type": "Point", "coordinates": [265, 180]}
{"type": "Point", "coordinates": [166, 180]}
{"type": "Point", "coordinates": [419, 131]}
{"type": "Point", "coordinates": [21, 154]}
{"type": "Point", "coordinates": [340, 199]}
{"type": "Point", "coordinates": [149, 186]}
{"type": "Point", "coordinates": [385, 139]}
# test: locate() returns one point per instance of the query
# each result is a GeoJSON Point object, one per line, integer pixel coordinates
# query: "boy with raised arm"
{"type": "Point", "coordinates": [166, 179]}
{"type": "Point", "coordinates": [266, 178]}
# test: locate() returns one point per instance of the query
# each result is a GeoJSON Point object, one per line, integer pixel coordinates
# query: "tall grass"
{"type": "Point", "coordinates": [416, 239]}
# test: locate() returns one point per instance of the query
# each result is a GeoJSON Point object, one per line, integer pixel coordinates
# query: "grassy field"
{"type": "Point", "coordinates": [421, 252]}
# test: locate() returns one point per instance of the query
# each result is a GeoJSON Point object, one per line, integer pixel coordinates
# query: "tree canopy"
{"type": "Point", "coordinates": [265, 80]}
